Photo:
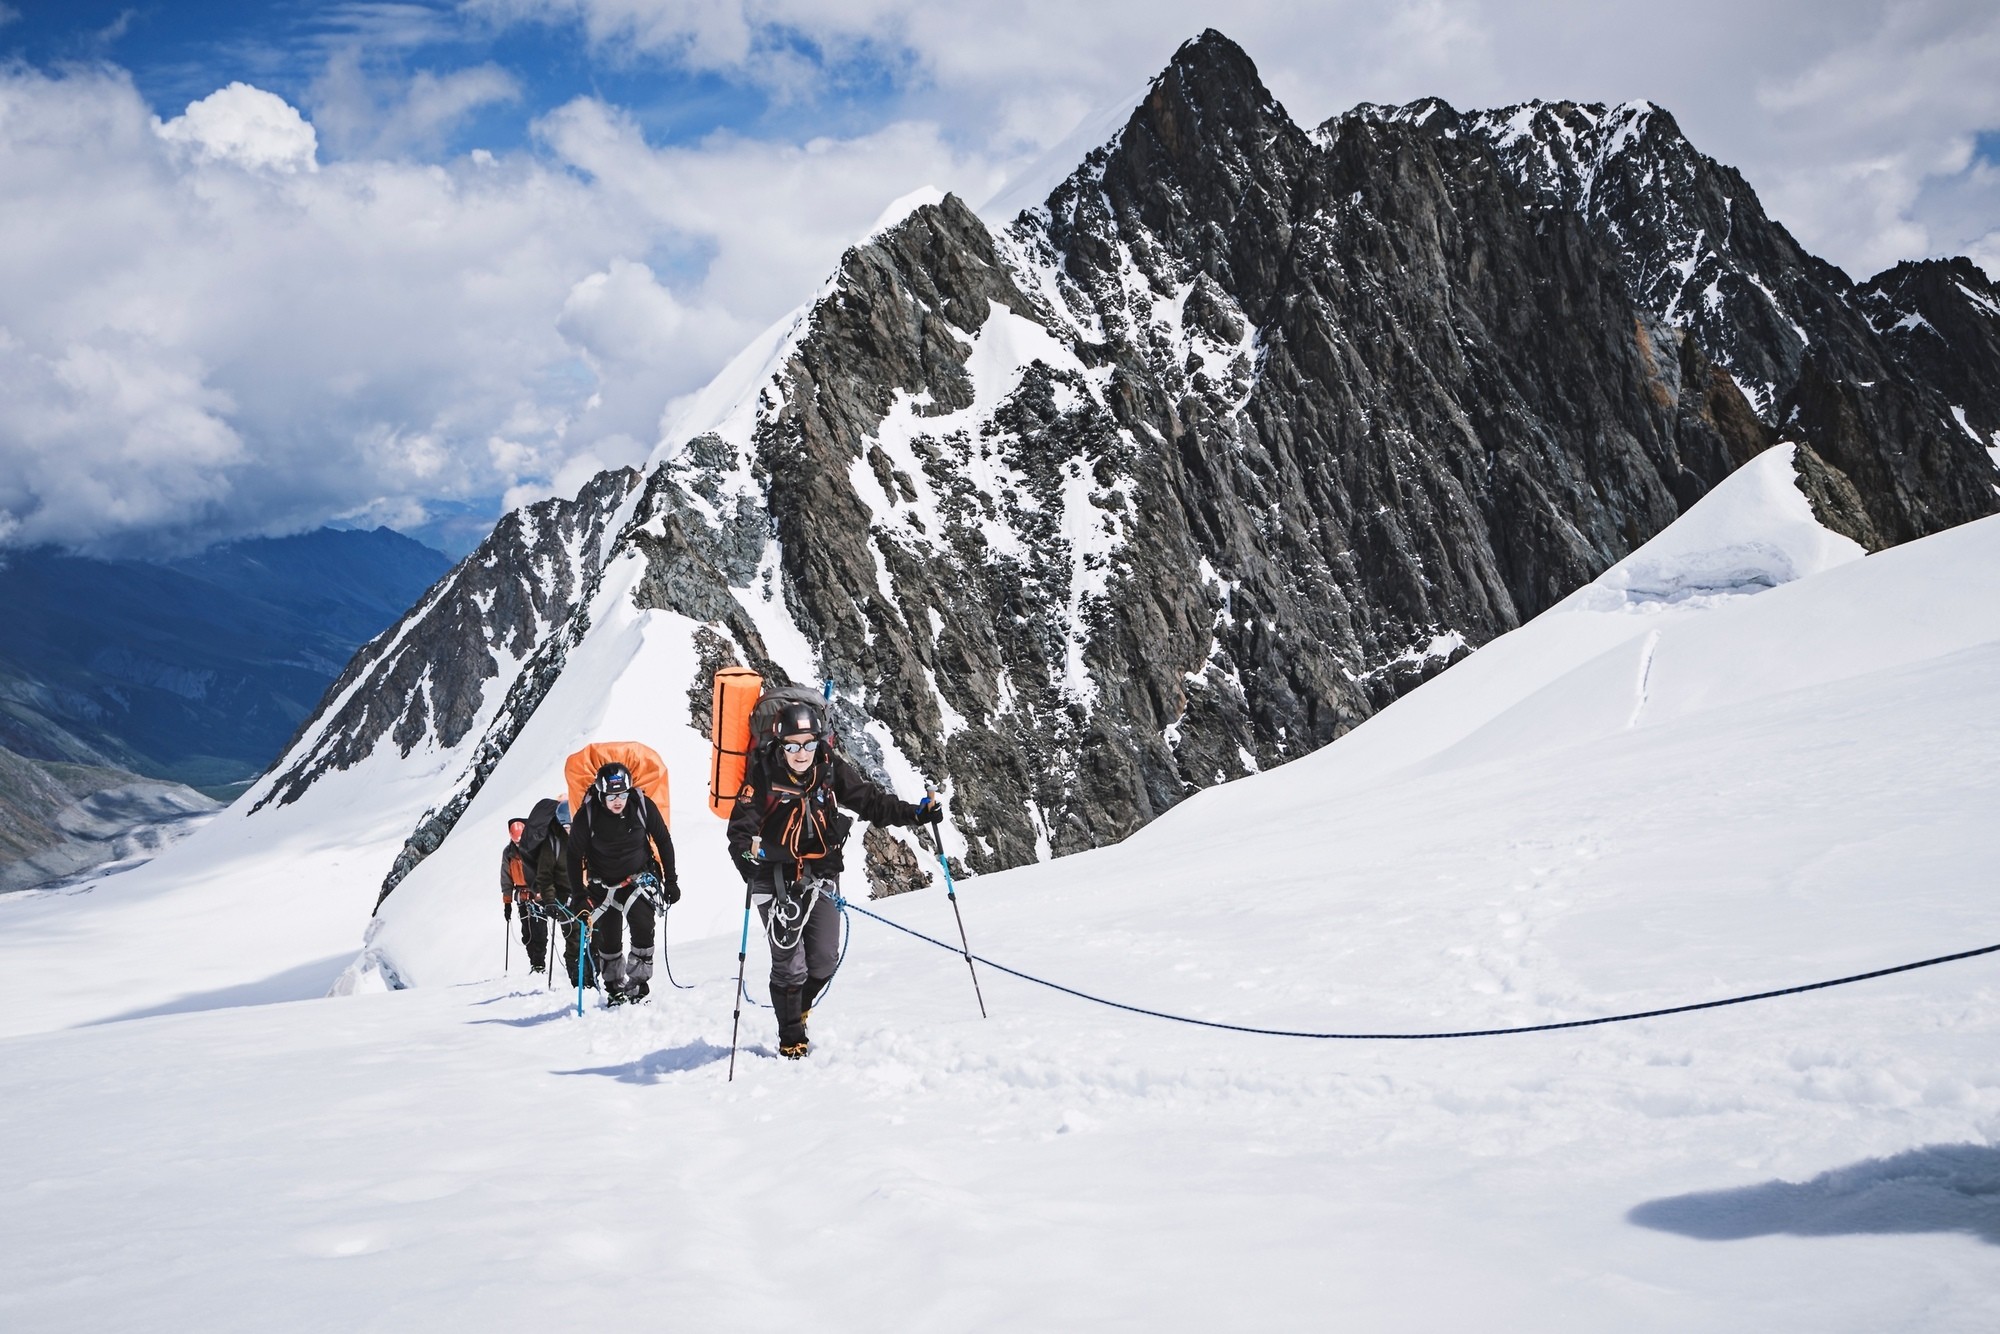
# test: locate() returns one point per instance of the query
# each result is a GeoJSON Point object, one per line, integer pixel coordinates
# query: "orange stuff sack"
{"type": "Point", "coordinates": [649, 772]}
{"type": "Point", "coordinates": [737, 690]}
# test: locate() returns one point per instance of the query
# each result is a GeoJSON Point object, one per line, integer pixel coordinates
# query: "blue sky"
{"type": "Point", "coordinates": [270, 265]}
{"type": "Point", "coordinates": [179, 52]}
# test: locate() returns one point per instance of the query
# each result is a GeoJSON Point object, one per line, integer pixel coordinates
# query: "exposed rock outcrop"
{"type": "Point", "coordinates": [1244, 433]}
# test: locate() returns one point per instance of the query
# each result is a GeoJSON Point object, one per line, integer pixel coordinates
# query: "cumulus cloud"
{"type": "Point", "coordinates": [247, 126]}
{"type": "Point", "coordinates": [1876, 138]}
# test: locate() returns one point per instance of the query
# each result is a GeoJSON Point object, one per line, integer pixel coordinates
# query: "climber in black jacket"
{"type": "Point", "coordinates": [546, 846]}
{"type": "Point", "coordinates": [786, 835]}
{"type": "Point", "coordinates": [619, 835]}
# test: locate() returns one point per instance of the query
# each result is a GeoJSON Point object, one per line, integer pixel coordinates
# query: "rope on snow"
{"type": "Point", "coordinates": [1424, 1037]}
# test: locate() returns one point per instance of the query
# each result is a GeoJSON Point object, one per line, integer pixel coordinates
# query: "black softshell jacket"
{"type": "Point", "coordinates": [552, 867]}
{"type": "Point", "coordinates": [606, 849]}
{"type": "Point", "coordinates": [547, 848]}
{"type": "Point", "coordinates": [771, 796]}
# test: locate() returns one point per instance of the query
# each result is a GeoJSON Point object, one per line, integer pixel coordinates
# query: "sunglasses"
{"type": "Point", "coordinates": [794, 747]}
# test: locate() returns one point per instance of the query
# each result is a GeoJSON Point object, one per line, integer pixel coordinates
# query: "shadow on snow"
{"type": "Point", "coordinates": [1938, 1188]}
{"type": "Point", "coordinates": [531, 1020]}
{"type": "Point", "coordinates": [308, 981]}
{"type": "Point", "coordinates": [652, 1067]}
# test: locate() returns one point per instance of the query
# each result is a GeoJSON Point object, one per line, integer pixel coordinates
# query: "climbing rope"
{"type": "Point", "coordinates": [846, 936]}
{"type": "Point", "coordinates": [659, 901]}
{"type": "Point", "coordinates": [1422, 1037]}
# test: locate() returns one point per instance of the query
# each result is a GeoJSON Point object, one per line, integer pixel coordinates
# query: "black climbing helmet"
{"type": "Point", "coordinates": [613, 780]}
{"type": "Point", "coordinates": [796, 718]}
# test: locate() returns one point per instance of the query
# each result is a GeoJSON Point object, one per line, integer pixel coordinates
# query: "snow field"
{"type": "Point", "coordinates": [1670, 789]}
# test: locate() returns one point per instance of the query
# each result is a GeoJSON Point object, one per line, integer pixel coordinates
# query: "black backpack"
{"type": "Point", "coordinates": [764, 715]}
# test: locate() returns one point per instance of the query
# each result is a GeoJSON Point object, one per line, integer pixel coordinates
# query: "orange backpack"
{"type": "Point", "coordinates": [649, 772]}
{"type": "Point", "coordinates": [737, 690]}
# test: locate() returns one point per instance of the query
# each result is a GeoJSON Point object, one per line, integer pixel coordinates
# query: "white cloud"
{"type": "Point", "coordinates": [247, 126]}
{"type": "Point", "coordinates": [369, 114]}
{"type": "Point", "coordinates": [197, 342]}
{"type": "Point", "coordinates": [1873, 140]}
{"type": "Point", "coordinates": [203, 335]}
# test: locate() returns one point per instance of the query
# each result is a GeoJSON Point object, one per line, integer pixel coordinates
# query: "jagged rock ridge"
{"type": "Point", "coordinates": [1244, 433]}
{"type": "Point", "coordinates": [1839, 366]}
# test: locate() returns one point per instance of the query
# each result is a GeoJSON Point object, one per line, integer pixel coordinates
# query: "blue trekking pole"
{"type": "Point", "coordinates": [582, 956]}
{"type": "Point", "coordinates": [951, 892]}
{"type": "Point", "coordinates": [742, 952]}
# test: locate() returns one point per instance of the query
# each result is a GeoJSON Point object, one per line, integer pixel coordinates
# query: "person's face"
{"type": "Point", "coordinates": [615, 802]}
{"type": "Point", "coordinates": [799, 749]}
{"type": "Point", "coordinates": [515, 828]}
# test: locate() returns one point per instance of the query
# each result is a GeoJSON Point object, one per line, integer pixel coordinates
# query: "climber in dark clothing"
{"type": "Point", "coordinates": [546, 846]}
{"type": "Point", "coordinates": [517, 893]}
{"type": "Point", "coordinates": [620, 834]}
{"type": "Point", "coordinates": [786, 834]}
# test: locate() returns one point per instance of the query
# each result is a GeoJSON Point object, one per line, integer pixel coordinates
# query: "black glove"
{"type": "Point", "coordinates": [930, 811]}
{"type": "Point", "coordinates": [672, 892]}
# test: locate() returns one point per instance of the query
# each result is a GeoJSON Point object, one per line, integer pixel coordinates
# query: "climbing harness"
{"type": "Point", "coordinates": [1462, 1033]}
{"type": "Point", "coordinates": [846, 938]}
{"type": "Point", "coordinates": [645, 885]}
{"type": "Point", "coordinates": [790, 911]}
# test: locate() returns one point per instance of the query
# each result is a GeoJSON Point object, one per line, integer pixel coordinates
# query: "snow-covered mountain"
{"type": "Point", "coordinates": [1214, 458]}
{"type": "Point", "coordinates": [1240, 435]}
{"type": "Point", "coordinates": [1745, 757]}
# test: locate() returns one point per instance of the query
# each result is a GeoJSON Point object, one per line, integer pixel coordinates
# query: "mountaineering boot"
{"type": "Point", "coordinates": [791, 1024]}
{"type": "Point", "coordinates": [611, 972]}
{"type": "Point", "coordinates": [637, 991]}
{"type": "Point", "coordinates": [814, 986]}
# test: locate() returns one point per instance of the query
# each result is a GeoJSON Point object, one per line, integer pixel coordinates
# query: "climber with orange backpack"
{"type": "Point", "coordinates": [621, 861]}
{"type": "Point", "coordinates": [786, 835]}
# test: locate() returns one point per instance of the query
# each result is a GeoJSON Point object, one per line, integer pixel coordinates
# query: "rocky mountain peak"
{"type": "Point", "coordinates": [1241, 435]}
{"type": "Point", "coordinates": [1941, 317]}
{"type": "Point", "coordinates": [1200, 181]}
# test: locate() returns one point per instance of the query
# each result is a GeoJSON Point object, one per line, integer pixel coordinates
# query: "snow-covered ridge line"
{"type": "Point", "coordinates": [1142, 495]}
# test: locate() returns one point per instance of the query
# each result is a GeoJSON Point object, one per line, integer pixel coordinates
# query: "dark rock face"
{"type": "Point", "coordinates": [1313, 417]}
{"type": "Point", "coordinates": [1941, 319]}
{"type": "Point", "coordinates": [426, 677]}
{"type": "Point", "coordinates": [1845, 369]}
{"type": "Point", "coordinates": [1243, 435]}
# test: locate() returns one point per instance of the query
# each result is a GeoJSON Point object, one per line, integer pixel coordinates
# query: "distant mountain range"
{"type": "Point", "coordinates": [196, 671]}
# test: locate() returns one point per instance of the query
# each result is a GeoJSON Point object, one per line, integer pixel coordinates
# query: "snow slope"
{"type": "Point", "coordinates": [1671, 788]}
